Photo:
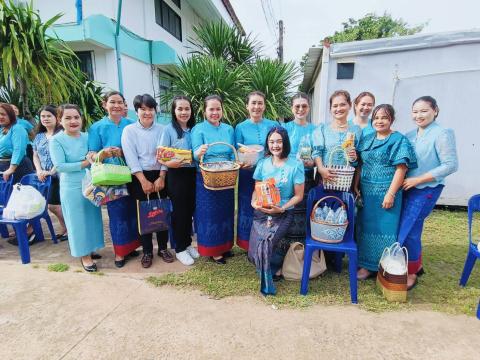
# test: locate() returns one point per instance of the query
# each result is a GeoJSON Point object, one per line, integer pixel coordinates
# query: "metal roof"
{"type": "Point", "coordinates": [402, 43]}
{"type": "Point", "coordinates": [384, 45]}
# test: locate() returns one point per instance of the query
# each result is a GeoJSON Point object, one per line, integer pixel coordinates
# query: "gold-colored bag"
{"type": "Point", "coordinates": [293, 263]}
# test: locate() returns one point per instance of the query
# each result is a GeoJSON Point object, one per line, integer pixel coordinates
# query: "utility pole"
{"type": "Point", "coordinates": [280, 40]}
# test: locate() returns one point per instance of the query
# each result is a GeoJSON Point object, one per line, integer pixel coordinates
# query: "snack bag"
{"type": "Point", "coordinates": [349, 142]}
{"type": "Point", "coordinates": [166, 154]}
{"type": "Point", "coordinates": [267, 193]}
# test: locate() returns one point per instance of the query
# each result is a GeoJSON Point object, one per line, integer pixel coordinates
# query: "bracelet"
{"type": "Point", "coordinates": [392, 195]}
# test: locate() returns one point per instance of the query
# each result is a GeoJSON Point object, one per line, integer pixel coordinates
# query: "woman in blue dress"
{"type": "Point", "coordinates": [48, 126]}
{"type": "Point", "coordinates": [300, 133]}
{"type": "Point", "coordinates": [437, 158]}
{"type": "Point", "coordinates": [214, 209]}
{"type": "Point", "coordinates": [385, 155]}
{"type": "Point", "coordinates": [270, 224]}
{"type": "Point", "coordinates": [362, 109]}
{"type": "Point", "coordinates": [13, 145]}
{"type": "Point", "coordinates": [68, 150]}
{"type": "Point", "coordinates": [252, 131]}
{"type": "Point", "coordinates": [106, 135]}
{"type": "Point", "coordinates": [327, 137]}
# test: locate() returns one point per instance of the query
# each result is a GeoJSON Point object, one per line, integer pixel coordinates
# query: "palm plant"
{"type": "Point", "coordinates": [30, 59]}
{"type": "Point", "coordinates": [219, 40]}
{"type": "Point", "coordinates": [227, 63]}
{"type": "Point", "coordinates": [272, 78]}
{"type": "Point", "coordinates": [200, 76]}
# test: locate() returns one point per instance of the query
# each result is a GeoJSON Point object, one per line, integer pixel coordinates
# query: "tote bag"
{"type": "Point", "coordinates": [293, 264]}
{"type": "Point", "coordinates": [153, 215]}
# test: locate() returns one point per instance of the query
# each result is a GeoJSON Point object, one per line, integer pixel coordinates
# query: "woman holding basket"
{"type": "Point", "coordinates": [214, 209]}
{"type": "Point", "coordinates": [330, 140]}
{"type": "Point", "coordinates": [252, 131]}
{"type": "Point", "coordinates": [386, 155]}
{"type": "Point", "coordinates": [105, 136]}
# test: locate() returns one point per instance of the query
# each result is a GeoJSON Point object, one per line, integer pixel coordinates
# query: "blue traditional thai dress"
{"type": "Point", "coordinates": [214, 209]}
{"type": "Point", "coordinates": [367, 129]}
{"type": "Point", "coordinates": [325, 140]}
{"type": "Point", "coordinates": [121, 212]}
{"type": "Point", "coordinates": [82, 218]}
{"type": "Point", "coordinates": [248, 132]}
{"type": "Point", "coordinates": [436, 154]}
{"type": "Point", "coordinates": [13, 146]}
{"type": "Point", "coordinates": [377, 228]}
{"type": "Point", "coordinates": [267, 230]}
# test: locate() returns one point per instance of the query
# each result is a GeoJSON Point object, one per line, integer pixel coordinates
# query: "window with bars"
{"type": "Point", "coordinates": [168, 19]}
{"type": "Point", "coordinates": [164, 86]}
{"type": "Point", "coordinates": [86, 63]}
{"type": "Point", "coordinates": [177, 2]}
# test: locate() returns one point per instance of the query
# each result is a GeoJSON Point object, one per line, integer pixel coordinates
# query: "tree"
{"type": "Point", "coordinates": [37, 69]}
{"type": "Point", "coordinates": [33, 62]}
{"type": "Point", "coordinates": [227, 63]}
{"type": "Point", "coordinates": [371, 26]}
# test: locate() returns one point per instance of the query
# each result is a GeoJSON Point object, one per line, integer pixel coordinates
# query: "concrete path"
{"type": "Point", "coordinates": [72, 315]}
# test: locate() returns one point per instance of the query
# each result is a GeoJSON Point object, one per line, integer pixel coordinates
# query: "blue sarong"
{"type": "Point", "coordinates": [123, 225]}
{"type": "Point", "coordinates": [214, 219]}
{"type": "Point", "coordinates": [246, 186]}
{"type": "Point", "coordinates": [417, 205]}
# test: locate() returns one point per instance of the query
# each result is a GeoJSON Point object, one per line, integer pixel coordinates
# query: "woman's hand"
{"type": "Point", "coordinates": [7, 173]}
{"type": "Point", "coordinates": [42, 175]}
{"type": "Point", "coordinates": [352, 155]}
{"type": "Point", "coordinates": [388, 200]}
{"type": "Point", "coordinates": [116, 151]}
{"type": "Point", "coordinates": [202, 150]}
{"type": "Point", "coordinates": [159, 184]}
{"type": "Point", "coordinates": [272, 210]}
{"type": "Point", "coordinates": [410, 183]}
{"type": "Point", "coordinates": [147, 187]}
{"type": "Point", "coordinates": [356, 191]}
{"type": "Point", "coordinates": [326, 174]}
{"type": "Point", "coordinates": [173, 164]}
{"type": "Point", "coordinates": [308, 163]}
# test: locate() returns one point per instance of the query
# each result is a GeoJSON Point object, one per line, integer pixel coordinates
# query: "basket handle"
{"type": "Point", "coordinates": [97, 160]}
{"type": "Point", "coordinates": [324, 198]}
{"type": "Point", "coordinates": [221, 143]}
{"type": "Point", "coordinates": [334, 151]}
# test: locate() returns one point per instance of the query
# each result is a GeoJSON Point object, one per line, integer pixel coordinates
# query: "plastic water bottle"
{"type": "Point", "coordinates": [330, 216]}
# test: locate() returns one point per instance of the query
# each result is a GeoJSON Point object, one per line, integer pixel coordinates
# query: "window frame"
{"type": "Point", "coordinates": [168, 19]}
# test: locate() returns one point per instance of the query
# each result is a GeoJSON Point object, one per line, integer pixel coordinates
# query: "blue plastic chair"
{"type": "Point", "coordinates": [43, 188]}
{"type": "Point", "coordinates": [347, 246]}
{"type": "Point", "coordinates": [5, 191]}
{"type": "Point", "coordinates": [478, 311]}
{"type": "Point", "coordinates": [473, 253]}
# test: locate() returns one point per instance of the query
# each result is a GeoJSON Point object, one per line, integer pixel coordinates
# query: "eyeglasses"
{"type": "Point", "coordinates": [303, 106]}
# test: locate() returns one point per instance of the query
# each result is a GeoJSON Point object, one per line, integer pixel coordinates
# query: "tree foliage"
{"type": "Point", "coordinates": [227, 63]}
{"type": "Point", "coordinates": [371, 26]}
{"type": "Point", "coordinates": [36, 65]}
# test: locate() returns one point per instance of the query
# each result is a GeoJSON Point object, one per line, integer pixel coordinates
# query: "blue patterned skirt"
{"type": "Point", "coordinates": [123, 225]}
{"type": "Point", "coordinates": [214, 219]}
{"type": "Point", "coordinates": [376, 227]}
{"type": "Point", "coordinates": [417, 205]}
{"type": "Point", "coordinates": [246, 186]}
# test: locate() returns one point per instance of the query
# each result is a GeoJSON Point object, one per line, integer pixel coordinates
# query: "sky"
{"type": "Point", "coordinates": [307, 22]}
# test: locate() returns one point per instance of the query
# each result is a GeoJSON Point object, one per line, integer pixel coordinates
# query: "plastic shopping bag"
{"type": "Point", "coordinates": [100, 195]}
{"type": "Point", "coordinates": [25, 202]}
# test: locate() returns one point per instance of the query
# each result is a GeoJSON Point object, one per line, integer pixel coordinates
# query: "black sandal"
{"type": "Point", "coordinates": [220, 261]}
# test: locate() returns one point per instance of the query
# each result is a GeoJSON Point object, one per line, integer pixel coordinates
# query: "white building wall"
{"type": "Point", "coordinates": [449, 74]}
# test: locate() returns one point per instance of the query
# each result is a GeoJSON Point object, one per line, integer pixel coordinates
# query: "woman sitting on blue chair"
{"type": "Point", "coordinates": [270, 224]}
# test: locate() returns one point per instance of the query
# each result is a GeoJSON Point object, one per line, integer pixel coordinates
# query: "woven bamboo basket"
{"type": "Point", "coordinates": [343, 173]}
{"type": "Point", "coordinates": [324, 231]}
{"type": "Point", "coordinates": [214, 179]}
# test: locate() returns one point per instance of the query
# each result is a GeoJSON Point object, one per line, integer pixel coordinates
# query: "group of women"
{"type": "Point", "coordinates": [399, 178]}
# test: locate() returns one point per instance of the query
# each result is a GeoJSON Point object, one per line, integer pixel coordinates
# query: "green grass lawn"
{"type": "Point", "coordinates": [444, 252]}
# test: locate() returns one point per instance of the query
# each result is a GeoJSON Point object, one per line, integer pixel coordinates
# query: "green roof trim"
{"type": "Point", "coordinates": [100, 30]}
